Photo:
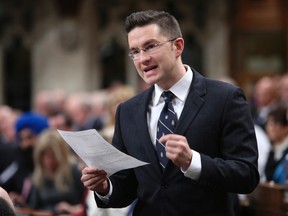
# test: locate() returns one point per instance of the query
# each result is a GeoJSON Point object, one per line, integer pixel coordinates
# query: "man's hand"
{"type": "Point", "coordinates": [177, 150]}
{"type": "Point", "coordinates": [96, 180]}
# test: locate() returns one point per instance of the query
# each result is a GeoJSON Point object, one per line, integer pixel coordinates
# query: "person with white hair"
{"type": "Point", "coordinates": [6, 204]}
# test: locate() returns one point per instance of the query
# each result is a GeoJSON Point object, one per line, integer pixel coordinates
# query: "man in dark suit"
{"type": "Point", "coordinates": [212, 153]}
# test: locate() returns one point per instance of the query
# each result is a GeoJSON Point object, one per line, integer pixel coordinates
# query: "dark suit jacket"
{"type": "Point", "coordinates": [217, 123]}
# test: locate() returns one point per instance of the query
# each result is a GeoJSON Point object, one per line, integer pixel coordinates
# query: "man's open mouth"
{"type": "Point", "coordinates": [149, 68]}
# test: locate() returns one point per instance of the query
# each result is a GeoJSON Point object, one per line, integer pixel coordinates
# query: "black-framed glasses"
{"type": "Point", "coordinates": [150, 49]}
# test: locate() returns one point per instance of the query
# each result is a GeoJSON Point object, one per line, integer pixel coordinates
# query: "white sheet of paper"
{"type": "Point", "coordinates": [95, 151]}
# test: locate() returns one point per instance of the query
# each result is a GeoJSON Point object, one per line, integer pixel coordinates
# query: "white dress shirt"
{"type": "Point", "coordinates": [180, 90]}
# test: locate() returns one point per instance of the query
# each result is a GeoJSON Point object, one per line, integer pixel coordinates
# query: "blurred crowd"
{"type": "Point", "coordinates": [269, 110]}
{"type": "Point", "coordinates": [37, 168]}
{"type": "Point", "coordinates": [40, 171]}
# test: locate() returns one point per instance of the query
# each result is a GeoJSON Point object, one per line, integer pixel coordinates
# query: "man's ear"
{"type": "Point", "coordinates": [179, 44]}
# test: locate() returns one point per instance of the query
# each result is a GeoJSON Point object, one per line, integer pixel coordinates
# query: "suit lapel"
{"type": "Point", "coordinates": [193, 103]}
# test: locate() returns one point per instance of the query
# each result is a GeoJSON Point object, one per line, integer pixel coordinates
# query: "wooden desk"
{"type": "Point", "coordinates": [268, 200]}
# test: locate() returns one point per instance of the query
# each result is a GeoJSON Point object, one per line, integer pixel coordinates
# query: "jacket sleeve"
{"type": "Point", "coordinates": [235, 170]}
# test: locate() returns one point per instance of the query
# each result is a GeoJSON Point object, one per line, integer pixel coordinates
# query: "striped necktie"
{"type": "Point", "coordinates": [166, 125]}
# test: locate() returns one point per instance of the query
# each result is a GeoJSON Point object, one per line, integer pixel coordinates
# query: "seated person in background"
{"type": "Point", "coordinates": [20, 166]}
{"type": "Point", "coordinates": [277, 131]}
{"type": "Point", "coordinates": [56, 184]}
{"type": "Point", "coordinates": [6, 205]}
{"type": "Point", "coordinates": [79, 108]}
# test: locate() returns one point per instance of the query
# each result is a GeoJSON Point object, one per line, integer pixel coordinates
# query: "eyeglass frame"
{"type": "Point", "coordinates": [148, 49]}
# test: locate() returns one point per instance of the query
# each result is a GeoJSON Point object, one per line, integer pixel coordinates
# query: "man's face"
{"type": "Point", "coordinates": [275, 131]}
{"type": "Point", "coordinates": [27, 138]}
{"type": "Point", "coordinates": [158, 66]}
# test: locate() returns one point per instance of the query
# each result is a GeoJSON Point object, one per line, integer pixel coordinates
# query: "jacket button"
{"type": "Point", "coordinates": [164, 186]}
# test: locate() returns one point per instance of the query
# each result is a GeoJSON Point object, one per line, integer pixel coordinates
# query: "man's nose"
{"type": "Point", "coordinates": [144, 56]}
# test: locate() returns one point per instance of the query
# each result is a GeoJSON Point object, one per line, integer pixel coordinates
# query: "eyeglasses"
{"type": "Point", "coordinates": [150, 49]}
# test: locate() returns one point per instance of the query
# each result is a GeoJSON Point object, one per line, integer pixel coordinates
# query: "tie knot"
{"type": "Point", "coordinates": [167, 96]}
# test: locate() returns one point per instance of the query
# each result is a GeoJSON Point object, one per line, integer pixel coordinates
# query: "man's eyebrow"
{"type": "Point", "coordinates": [150, 41]}
{"type": "Point", "coordinates": [145, 44]}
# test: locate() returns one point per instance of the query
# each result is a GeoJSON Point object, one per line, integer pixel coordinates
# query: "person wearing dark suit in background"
{"type": "Point", "coordinates": [212, 154]}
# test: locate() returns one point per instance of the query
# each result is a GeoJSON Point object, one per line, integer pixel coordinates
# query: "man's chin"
{"type": "Point", "coordinates": [150, 81]}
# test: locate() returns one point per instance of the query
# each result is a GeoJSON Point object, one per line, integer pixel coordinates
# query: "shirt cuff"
{"type": "Point", "coordinates": [105, 198]}
{"type": "Point", "coordinates": [194, 170]}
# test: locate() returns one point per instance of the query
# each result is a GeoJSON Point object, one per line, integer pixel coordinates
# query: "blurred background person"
{"type": "Point", "coordinates": [8, 117]}
{"type": "Point", "coordinates": [116, 96]}
{"type": "Point", "coordinates": [99, 104]}
{"type": "Point", "coordinates": [6, 204]}
{"type": "Point", "coordinates": [28, 127]}
{"type": "Point", "coordinates": [266, 98]}
{"type": "Point", "coordinates": [20, 165]}
{"type": "Point", "coordinates": [277, 130]}
{"type": "Point", "coordinates": [283, 89]}
{"type": "Point", "coordinates": [79, 108]}
{"type": "Point", "coordinates": [61, 121]}
{"type": "Point", "coordinates": [48, 102]}
{"type": "Point", "coordinates": [56, 184]}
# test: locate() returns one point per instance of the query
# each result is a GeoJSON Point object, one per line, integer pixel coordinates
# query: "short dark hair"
{"type": "Point", "coordinates": [5, 208]}
{"type": "Point", "coordinates": [167, 23]}
{"type": "Point", "coordinates": [279, 115]}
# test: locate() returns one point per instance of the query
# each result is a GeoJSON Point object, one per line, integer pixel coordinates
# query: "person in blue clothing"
{"type": "Point", "coordinates": [277, 131]}
{"type": "Point", "coordinates": [20, 165]}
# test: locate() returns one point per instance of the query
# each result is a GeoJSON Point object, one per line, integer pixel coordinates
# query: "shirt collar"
{"type": "Point", "coordinates": [180, 89]}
